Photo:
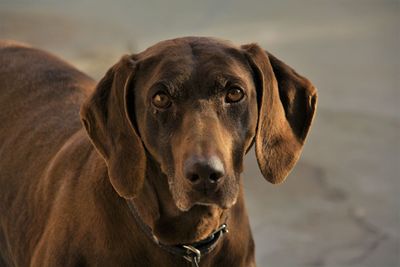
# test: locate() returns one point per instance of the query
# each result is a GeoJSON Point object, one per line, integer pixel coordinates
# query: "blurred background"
{"type": "Point", "coordinates": [341, 204]}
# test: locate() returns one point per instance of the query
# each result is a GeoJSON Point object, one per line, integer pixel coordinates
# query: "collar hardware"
{"type": "Point", "coordinates": [193, 255]}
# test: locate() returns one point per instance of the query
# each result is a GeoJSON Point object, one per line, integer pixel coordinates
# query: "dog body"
{"type": "Point", "coordinates": [165, 130]}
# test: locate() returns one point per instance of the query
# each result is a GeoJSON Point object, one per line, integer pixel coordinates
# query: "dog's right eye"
{"type": "Point", "coordinates": [161, 100]}
{"type": "Point", "coordinates": [234, 94]}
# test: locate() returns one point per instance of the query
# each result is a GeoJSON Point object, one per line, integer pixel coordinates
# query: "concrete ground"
{"type": "Point", "coordinates": [340, 206]}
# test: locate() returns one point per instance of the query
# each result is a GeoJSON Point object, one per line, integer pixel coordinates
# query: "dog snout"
{"type": "Point", "coordinates": [208, 170]}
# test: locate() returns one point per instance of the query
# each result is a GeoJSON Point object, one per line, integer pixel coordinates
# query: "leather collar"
{"type": "Point", "coordinates": [191, 252]}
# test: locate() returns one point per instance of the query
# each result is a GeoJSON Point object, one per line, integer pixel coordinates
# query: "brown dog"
{"type": "Point", "coordinates": [153, 179]}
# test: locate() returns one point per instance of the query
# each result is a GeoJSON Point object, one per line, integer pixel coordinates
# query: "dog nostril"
{"type": "Point", "coordinates": [194, 177]}
{"type": "Point", "coordinates": [215, 177]}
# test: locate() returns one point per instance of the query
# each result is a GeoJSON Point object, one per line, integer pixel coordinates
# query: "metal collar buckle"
{"type": "Point", "coordinates": [193, 255]}
{"type": "Point", "coordinates": [223, 228]}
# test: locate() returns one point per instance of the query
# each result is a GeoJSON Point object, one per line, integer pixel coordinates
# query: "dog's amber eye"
{"type": "Point", "coordinates": [234, 94]}
{"type": "Point", "coordinates": [161, 100]}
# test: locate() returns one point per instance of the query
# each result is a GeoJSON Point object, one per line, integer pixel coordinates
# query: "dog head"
{"type": "Point", "coordinates": [195, 106]}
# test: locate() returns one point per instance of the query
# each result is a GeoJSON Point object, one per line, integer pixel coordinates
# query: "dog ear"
{"type": "Point", "coordinates": [286, 106]}
{"type": "Point", "coordinates": [105, 117]}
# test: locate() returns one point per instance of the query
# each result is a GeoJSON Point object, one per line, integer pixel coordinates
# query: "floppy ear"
{"type": "Point", "coordinates": [107, 123]}
{"type": "Point", "coordinates": [287, 103]}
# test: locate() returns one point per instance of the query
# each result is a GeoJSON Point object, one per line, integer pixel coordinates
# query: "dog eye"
{"type": "Point", "coordinates": [161, 100]}
{"type": "Point", "coordinates": [234, 94]}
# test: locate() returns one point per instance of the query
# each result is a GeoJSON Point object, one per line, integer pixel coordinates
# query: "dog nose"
{"type": "Point", "coordinates": [201, 169]}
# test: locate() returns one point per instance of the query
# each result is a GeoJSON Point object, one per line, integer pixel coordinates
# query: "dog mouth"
{"type": "Point", "coordinates": [185, 207]}
{"type": "Point", "coordinates": [211, 204]}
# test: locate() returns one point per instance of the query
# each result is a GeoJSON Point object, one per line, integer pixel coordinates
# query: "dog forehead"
{"type": "Point", "coordinates": [184, 59]}
{"type": "Point", "coordinates": [186, 45]}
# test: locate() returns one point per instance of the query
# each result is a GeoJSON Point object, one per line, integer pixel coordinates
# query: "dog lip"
{"type": "Point", "coordinates": [199, 203]}
{"type": "Point", "coordinates": [184, 209]}
{"type": "Point", "coordinates": [218, 205]}
{"type": "Point", "coordinates": [203, 202]}
{"type": "Point", "coordinates": [214, 202]}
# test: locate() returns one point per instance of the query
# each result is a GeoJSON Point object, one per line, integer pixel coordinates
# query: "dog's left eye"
{"type": "Point", "coordinates": [161, 100]}
{"type": "Point", "coordinates": [234, 94]}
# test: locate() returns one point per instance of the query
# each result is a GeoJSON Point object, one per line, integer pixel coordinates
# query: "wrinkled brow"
{"type": "Point", "coordinates": [172, 86]}
{"type": "Point", "coordinates": [225, 80]}
{"type": "Point", "coordinates": [169, 77]}
{"type": "Point", "coordinates": [180, 86]}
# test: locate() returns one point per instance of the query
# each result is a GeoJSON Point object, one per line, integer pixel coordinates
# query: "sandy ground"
{"type": "Point", "coordinates": [340, 205]}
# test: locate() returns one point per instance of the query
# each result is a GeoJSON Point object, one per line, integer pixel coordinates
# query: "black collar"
{"type": "Point", "coordinates": [190, 252]}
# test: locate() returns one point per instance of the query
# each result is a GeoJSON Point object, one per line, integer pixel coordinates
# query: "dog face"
{"type": "Point", "coordinates": [195, 105]}
{"type": "Point", "coordinates": [196, 113]}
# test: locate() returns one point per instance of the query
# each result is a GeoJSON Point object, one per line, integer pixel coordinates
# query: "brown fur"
{"type": "Point", "coordinates": [63, 187]}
